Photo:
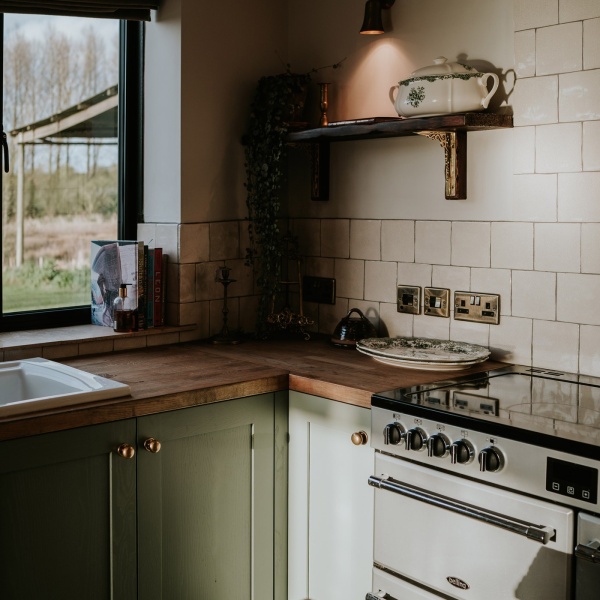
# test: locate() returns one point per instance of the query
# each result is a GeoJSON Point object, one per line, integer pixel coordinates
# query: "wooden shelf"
{"type": "Point", "coordinates": [449, 130]}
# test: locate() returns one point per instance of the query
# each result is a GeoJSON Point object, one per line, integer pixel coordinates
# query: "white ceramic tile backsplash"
{"type": "Point", "coordinates": [557, 247]}
{"type": "Point", "coordinates": [559, 48]}
{"type": "Point", "coordinates": [535, 101]}
{"type": "Point", "coordinates": [471, 244]}
{"type": "Point", "coordinates": [591, 44]}
{"type": "Point", "coordinates": [398, 241]}
{"type": "Point", "coordinates": [558, 148]}
{"type": "Point", "coordinates": [365, 239]}
{"type": "Point", "coordinates": [432, 242]}
{"type": "Point", "coordinates": [591, 144]}
{"type": "Point", "coordinates": [575, 10]}
{"type": "Point", "coordinates": [533, 295]}
{"type": "Point", "coordinates": [512, 245]}
{"type": "Point", "coordinates": [578, 196]}
{"type": "Point", "coordinates": [590, 248]}
{"type": "Point", "coordinates": [535, 13]}
{"type": "Point", "coordinates": [579, 96]}
{"type": "Point", "coordinates": [525, 53]}
{"type": "Point", "coordinates": [555, 345]}
{"type": "Point", "coordinates": [524, 150]}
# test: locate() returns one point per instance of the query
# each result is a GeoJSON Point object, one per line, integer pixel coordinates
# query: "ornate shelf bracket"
{"type": "Point", "coordinates": [454, 144]}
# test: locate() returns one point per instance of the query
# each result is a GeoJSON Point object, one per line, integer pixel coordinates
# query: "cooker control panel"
{"type": "Point", "coordinates": [567, 479]}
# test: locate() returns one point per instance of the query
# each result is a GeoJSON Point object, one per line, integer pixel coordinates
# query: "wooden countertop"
{"type": "Point", "coordinates": [172, 377]}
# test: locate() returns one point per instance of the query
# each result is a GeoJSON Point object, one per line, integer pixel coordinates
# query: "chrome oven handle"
{"type": "Point", "coordinates": [590, 552]}
{"type": "Point", "coordinates": [538, 533]}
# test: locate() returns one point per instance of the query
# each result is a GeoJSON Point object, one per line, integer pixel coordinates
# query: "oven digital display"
{"type": "Point", "coordinates": [572, 480]}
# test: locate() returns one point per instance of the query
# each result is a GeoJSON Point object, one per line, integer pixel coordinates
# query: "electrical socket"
{"type": "Point", "coordinates": [409, 299]}
{"type": "Point", "coordinates": [473, 306]}
{"type": "Point", "coordinates": [436, 302]}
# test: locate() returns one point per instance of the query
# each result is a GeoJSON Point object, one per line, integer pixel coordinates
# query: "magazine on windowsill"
{"type": "Point", "coordinates": [114, 262]}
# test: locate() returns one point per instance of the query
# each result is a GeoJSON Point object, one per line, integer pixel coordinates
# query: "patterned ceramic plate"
{"type": "Point", "coordinates": [423, 350]}
{"type": "Point", "coordinates": [422, 364]}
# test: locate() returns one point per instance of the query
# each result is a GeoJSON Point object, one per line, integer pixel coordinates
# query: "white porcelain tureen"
{"type": "Point", "coordinates": [443, 88]}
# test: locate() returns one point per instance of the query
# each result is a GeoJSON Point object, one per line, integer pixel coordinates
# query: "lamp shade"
{"type": "Point", "coordinates": [372, 23]}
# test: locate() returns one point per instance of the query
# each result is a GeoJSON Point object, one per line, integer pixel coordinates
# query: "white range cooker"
{"type": "Point", "coordinates": [487, 488]}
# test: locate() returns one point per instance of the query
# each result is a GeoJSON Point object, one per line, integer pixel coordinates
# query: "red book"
{"type": "Point", "coordinates": [158, 288]}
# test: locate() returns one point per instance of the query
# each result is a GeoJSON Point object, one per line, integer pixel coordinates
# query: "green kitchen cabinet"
{"type": "Point", "coordinates": [68, 516]}
{"type": "Point", "coordinates": [188, 510]}
{"type": "Point", "coordinates": [206, 502]}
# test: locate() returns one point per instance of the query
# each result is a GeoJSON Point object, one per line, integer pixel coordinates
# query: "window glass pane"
{"type": "Point", "coordinates": [60, 79]}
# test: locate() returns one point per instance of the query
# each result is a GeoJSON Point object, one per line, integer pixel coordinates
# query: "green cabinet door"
{"type": "Point", "coordinates": [206, 501]}
{"type": "Point", "coordinates": [67, 515]}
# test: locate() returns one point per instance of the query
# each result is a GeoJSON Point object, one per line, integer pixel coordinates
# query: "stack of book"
{"type": "Point", "coordinates": [144, 269]}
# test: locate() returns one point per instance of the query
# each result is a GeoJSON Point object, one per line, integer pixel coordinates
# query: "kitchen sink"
{"type": "Point", "coordinates": [38, 384]}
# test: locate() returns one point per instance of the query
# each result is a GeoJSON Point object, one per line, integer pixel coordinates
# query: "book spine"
{"type": "Point", "coordinates": [141, 306]}
{"type": "Point", "coordinates": [150, 301]}
{"type": "Point", "coordinates": [158, 288]}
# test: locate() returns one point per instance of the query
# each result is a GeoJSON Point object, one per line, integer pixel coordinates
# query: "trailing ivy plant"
{"type": "Point", "coordinates": [276, 108]}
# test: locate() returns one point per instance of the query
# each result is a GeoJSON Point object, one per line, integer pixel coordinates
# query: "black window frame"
{"type": "Point", "coordinates": [130, 171]}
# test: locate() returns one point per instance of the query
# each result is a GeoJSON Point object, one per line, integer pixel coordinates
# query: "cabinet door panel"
{"type": "Point", "coordinates": [205, 504]}
{"type": "Point", "coordinates": [67, 516]}
{"type": "Point", "coordinates": [330, 517]}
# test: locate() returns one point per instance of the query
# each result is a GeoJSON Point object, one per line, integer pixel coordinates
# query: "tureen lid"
{"type": "Point", "coordinates": [440, 68]}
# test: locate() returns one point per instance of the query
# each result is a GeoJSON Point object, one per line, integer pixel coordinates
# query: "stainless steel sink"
{"type": "Point", "coordinates": [39, 384]}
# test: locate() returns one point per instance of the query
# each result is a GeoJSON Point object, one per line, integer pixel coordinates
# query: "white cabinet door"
{"type": "Point", "coordinates": [330, 504]}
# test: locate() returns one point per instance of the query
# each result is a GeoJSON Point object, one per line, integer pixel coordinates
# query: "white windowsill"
{"type": "Point", "coordinates": [79, 340]}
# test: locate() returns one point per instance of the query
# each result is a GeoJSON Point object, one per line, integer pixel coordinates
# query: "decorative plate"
{"type": "Point", "coordinates": [423, 365]}
{"type": "Point", "coordinates": [423, 350]}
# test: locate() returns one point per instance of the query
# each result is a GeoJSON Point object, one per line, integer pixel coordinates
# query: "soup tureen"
{"type": "Point", "coordinates": [443, 88]}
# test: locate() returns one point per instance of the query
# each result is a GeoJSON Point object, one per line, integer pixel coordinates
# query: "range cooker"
{"type": "Point", "coordinates": [487, 488]}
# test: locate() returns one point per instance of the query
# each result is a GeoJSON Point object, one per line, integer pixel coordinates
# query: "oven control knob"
{"type": "Point", "coordinates": [491, 459]}
{"type": "Point", "coordinates": [416, 439]}
{"type": "Point", "coordinates": [461, 452]}
{"type": "Point", "coordinates": [437, 445]}
{"type": "Point", "coordinates": [393, 434]}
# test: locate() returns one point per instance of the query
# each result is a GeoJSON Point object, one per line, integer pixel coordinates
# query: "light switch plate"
{"type": "Point", "coordinates": [409, 299]}
{"type": "Point", "coordinates": [436, 302]}
{"type": "Point", "coordinates": [473, 306]}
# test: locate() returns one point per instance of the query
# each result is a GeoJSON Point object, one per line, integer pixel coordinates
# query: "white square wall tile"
{"type": "Point", "coordinates": [591, 146]}
{"type": "Point", "coordinates": [365, 239]}
{"type": "Point", "coordinates": [559, 49]}
{"type": "Point", "coordinates": [510, 341]}
{"type": "Point", "coordinates": [512, 246]}
{"type": "Point", "coordinates": [432, 327]}
{"type": "Point", "coordinates": [393, 322]}
{"type": "Point", "coordinates": [380, 281]}
{"type": "Point", "coordinates": [556, 345]}
{"type": "Point", "coordinates": [523, 150]}
{"type": "Point", "coordinates": [557, 247]}
{"type": "Point", "coordinates": [471, 244]}
{"type": "Point", "coordinates": [529, 14]}
{"type": "Point", "coordinates": [350, 278]}
{"type": "Point", "coordinates": [590, 248]}
{"type": "Point", "coordinates": [474, 333]}
{"type": "Point", "coordinates": [535, 101]}
{"type": "Point", "coordinates": [398, 241]}
{"type": "Point", "coordinates": [578, 198]}
{"type": "Point", "coordinates": [534, 197]}
{"type": "Point", "coordinates": [493, 281]}
{"type": "Point", "coordinates": [432, 242]}
{"type": "Point", "coordinates": [453, 278]}
{"type": "Point", "coordinates": [591, 44]}
{"type": "Point", "coordinates": [577, 298]}
{"type": "Point", "coordinates": [525, 53]}
{"type": "Point", "coordinates": [577, 10]}
{"type": "Point", "coordinates": [414, 274]}
{"type": "Point", "coordinates": [589, 350]}
{"type": "Point", "coordinates": [579, 96]}
{"type": "Point", "coordinates": [534, 295]}
{"type": "Point", "coordinates": [335, 238]}
{"type": "Point", "coordinates": [558, 148]}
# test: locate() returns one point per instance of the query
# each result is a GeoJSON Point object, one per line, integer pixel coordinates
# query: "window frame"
{"type": "Point", "coordinates": [130, 171]}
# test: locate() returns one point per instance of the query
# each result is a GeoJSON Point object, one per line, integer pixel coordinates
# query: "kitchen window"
{"type": "Point", "coordinates": [71, 105]}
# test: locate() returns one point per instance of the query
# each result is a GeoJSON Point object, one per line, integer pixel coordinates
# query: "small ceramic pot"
{"type": "Point", "coordinates": [352, 329]}
{"type": "Point", "coordinates": [443, 88]}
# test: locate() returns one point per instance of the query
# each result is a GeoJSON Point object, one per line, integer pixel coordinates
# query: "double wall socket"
{"type": "Point", "coordinates": [409, 299]}
{"type": "Point", "coordinates": [473, 306]}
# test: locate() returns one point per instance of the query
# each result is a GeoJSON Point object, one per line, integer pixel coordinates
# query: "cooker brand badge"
{"type": "Point", "coordinates": [459, 583]}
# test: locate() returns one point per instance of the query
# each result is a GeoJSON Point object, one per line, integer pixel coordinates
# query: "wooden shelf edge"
{"type": "Point", "coordinates": [474, 121]}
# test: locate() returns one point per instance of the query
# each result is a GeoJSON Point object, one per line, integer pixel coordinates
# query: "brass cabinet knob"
{"type": "Point", "coordinates": [359, 438]}
{"type": "Point", "coordinates": [152, 445]}
{"type": "Point", "coordinates": [126, 451]}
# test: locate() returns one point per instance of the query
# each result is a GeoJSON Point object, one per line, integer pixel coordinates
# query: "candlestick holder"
{"type": "Point", "coordinates": [324, 103]}
{"type": "Point", "coordinates": [226, 336]}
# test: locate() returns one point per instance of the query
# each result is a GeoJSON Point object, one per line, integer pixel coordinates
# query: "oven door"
{"type": "Point", "coordinates": [467, 540]}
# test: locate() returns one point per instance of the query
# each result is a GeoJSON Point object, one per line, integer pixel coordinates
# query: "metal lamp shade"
{"type": "Point", "coordinates": [373, 23]}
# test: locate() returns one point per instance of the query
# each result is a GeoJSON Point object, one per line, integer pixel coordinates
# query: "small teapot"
{"type": "Point", "coordinates": [351, 329]}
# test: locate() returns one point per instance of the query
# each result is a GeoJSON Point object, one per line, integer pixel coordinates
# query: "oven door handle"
{"type": "Point", "coordinates": [589, 552]}
{"type": "Point", "coordinates": [538, 533]}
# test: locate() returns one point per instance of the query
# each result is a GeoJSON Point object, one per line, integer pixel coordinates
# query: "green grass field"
{"type": "Point", "coordinates": [26, 297]}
